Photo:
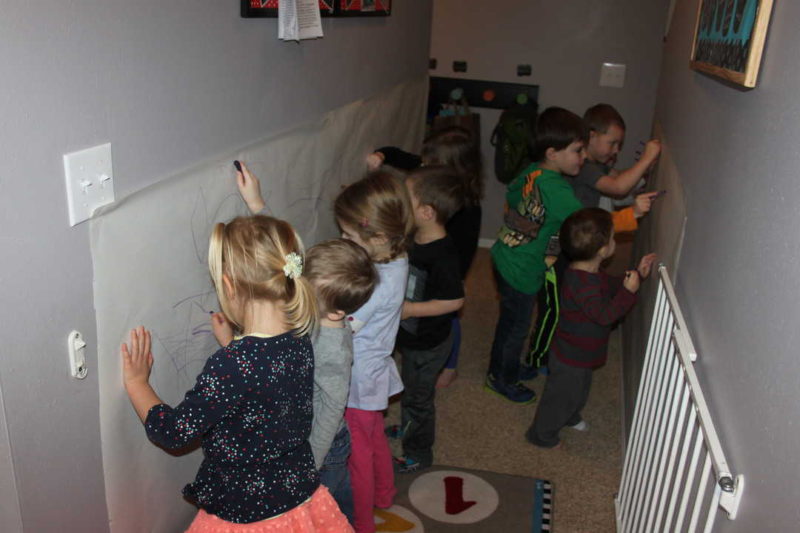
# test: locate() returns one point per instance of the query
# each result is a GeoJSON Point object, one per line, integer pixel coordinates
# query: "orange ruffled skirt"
{"type": "Point", "coordinates": [318, 514]}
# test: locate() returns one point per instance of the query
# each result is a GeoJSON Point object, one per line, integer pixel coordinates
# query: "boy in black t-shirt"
{"type": "Point", "coordinates": [433, 295]}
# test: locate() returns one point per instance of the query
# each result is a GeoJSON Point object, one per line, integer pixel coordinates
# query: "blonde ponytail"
{"type": "Point", "coordinates": [253, 253]}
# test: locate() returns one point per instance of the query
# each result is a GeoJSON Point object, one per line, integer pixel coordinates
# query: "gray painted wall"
{"type": "Point", "coordinates": [169, 84]}
{"type": "Point", "coordinates": [565, 43]}
{"type": "Point", "coordinates": [737, 154]}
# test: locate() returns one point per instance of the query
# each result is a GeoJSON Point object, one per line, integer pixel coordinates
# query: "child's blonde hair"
{"type": "Point", "coordinates": [377, 206]}
{"type": "Point", "coordinates": [342, 274]}
{"type": "Point", "coordinates": [262, 256]}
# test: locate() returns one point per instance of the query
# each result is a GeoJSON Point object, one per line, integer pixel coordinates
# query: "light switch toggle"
{"type": "Point", "coordinates": [77, 355]}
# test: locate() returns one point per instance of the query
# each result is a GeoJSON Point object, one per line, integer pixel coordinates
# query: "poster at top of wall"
{"type": "Point", "coordinates": [269, 8]}
{"type": "Point", "coordinates": [729, 38]}
{"type": "Point", "coordinates": [364, 7]}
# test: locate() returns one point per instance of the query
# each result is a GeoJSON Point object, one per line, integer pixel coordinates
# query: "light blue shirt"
{"type": "Point", "coordinates": [375, 326]}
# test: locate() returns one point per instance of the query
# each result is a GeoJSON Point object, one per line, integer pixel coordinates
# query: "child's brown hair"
{"type": "Point", "coordinates": [557, 128]}
{"type": "Point", "coordinates": [377, 206]}
{"type": "Point", "coordinates": [601, 116]}
{"type": "Point", "coordinates": [439, 187]}
{"type": "Point", "coordinates": [342, 274]}
{"type": "Point", "coordinates": [262, 257]}
{"type": "Point", "coordinates": [584, 232]}
{"type": "Point", "coordinates": [456, 147]}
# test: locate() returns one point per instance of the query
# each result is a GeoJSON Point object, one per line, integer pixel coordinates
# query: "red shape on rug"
{"type": "Point", "coordinates": [454, 495]}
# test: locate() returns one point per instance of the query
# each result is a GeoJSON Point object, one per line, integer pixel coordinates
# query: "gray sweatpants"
{"type": "Point", "coordinates": [565, 393]}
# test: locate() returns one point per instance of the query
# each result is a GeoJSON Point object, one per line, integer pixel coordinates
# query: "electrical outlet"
{"type": "Point", "coordinates": [90, 181]}
{"type": "Point", "coordinates": [612, 75]}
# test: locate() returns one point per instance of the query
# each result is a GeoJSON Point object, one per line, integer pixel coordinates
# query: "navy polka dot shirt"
{"type": "Point", "coordinates": [252, 408]}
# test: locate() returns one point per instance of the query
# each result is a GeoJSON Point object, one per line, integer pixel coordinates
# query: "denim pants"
{"type": "Point", "coordinates": [418, 413]}
{"type": "Point", "coordinates": [513, 325]}
{"type": "Point", "coordinates": [335, 475]}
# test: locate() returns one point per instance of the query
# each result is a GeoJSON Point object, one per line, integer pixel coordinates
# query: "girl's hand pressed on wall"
{"type": "Point", "coordinates": [137, 360]}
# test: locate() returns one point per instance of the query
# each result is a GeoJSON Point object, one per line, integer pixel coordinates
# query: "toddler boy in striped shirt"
{"type": "Point", "coordinates": [591, 303]}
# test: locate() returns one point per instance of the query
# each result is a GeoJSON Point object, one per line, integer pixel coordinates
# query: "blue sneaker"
{"type": "Point", "coordinates": [516, 393]}
{"type": "Point", "coordinates": [527, 372]}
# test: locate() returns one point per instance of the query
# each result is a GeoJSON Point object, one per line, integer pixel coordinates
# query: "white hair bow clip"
{"type": "Point", "coordinates": [294, 265]}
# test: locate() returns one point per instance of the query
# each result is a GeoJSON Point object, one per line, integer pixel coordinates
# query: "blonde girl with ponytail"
{"type": "Point", "coordinates": [251, 406]}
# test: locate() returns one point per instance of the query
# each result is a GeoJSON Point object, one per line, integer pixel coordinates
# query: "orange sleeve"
{"type": "Point", "coordinates": [624, 220]}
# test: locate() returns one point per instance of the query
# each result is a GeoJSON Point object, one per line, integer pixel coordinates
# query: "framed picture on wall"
{"type": "Point", "coordinates": [269, 8]}
{"type": "Point", "coordinates": [364, 8]}
{"type": "Point", "coordinates": [729, 38]}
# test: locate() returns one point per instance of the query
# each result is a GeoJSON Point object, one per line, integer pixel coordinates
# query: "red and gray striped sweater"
{"type": "Point", "coordinates": [591, 303]}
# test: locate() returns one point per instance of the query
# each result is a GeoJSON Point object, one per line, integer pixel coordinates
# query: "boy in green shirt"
{"type": "Point", "coordinates": [518, 258]}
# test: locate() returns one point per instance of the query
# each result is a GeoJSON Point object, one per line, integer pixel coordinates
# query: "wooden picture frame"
{"type": "Point", "coordinates": [729, 39]}
{"type": "Point", "coordinates": [269, 8]}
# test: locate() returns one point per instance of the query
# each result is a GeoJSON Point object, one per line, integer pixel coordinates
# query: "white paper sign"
{"type": "Point", "coordinates": [299, 19]}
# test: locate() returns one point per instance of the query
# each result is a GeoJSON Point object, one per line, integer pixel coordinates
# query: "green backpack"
{"type": "Point", "coordinates": [513, 139]}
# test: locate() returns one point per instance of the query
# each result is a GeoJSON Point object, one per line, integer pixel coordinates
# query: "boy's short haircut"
{"type": "Point", "coordinates": [342, 274]}
{"type": "Point", "coordinates": [584, 232]}
{"type": "Point", "coordinates": [439, 187]}
{"type": "Point", "coordinates": [601, 116]}
{"type": "Point", "coordinates": [557, 128]}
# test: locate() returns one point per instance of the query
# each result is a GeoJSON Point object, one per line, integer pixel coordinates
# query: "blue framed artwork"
{"type": "Point", "coordinates": [729, 38]}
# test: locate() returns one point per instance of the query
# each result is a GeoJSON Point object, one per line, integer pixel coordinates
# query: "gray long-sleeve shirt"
{"type": "Point", "coordinates": [333, 361]}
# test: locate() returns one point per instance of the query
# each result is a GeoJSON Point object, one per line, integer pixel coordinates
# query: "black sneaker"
{"type": "Point", "coordinates": [516, 393]}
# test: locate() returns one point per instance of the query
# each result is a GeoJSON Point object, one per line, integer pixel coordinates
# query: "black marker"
{"type": "Point", "coordinates": [237, 165]}
{"type": "Point", "coordinates": [659, 193]}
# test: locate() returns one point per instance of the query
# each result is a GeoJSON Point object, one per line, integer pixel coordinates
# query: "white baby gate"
{"type": "Point", "coordinates": [662, 486]}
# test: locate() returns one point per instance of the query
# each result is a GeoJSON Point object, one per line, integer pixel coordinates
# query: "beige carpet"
{"type": "Point", "coordinates": [479, 430]}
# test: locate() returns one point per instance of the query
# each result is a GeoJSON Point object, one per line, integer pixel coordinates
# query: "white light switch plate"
{"type": "Point", "coordinates": [612, 75]}
{"type": "Point", "coordinates": [90, 181]}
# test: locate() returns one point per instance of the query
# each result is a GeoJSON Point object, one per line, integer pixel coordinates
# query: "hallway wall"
{"type": "Point", "coordinates": [737, 154]}
{"type": "Point", "coordinates": [170, 85]}
{"type": "Point", "coordinates": [565, 43]}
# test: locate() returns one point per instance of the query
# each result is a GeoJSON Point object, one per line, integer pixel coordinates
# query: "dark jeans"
{"type": "Point", "coordinates": [418, 414]}
{"type": "Point", "coordinates": [513, 325]}
{"type": "Point", "coordinates": [565, 393]}
{"type": "Point", "coordinates": [335, 475]}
